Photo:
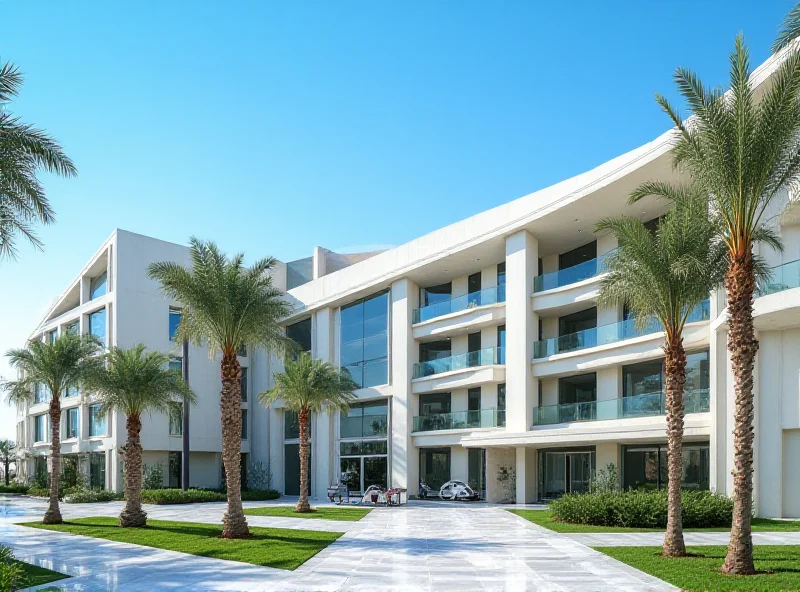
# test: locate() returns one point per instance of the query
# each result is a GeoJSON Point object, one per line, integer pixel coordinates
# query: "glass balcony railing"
{"type": "Point", "coordinates": [483, 357]}
{"type": "Point", "coordinates": [458, 420]}
{"type": "Point", "coordinates": [784, 277]}
{"type": "Point", "coordinates": [606, 334]}
{"type": "Point", "coordinates": [695, 401]}
{"type": "Point", "coordinates": [473, 300]}
{"type": "Point", "coordinates": [571, 275]}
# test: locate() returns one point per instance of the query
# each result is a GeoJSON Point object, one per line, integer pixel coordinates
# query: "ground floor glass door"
{"type": "Point", "coordinates": [434, 467]}
{"type": "Point", "coordinates": [477, 471]}
{"type": "Point", "coordinates": [563, 472]}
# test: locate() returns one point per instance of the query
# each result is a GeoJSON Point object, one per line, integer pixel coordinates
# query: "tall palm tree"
{"type": "Point", "coordinates": [305, 386]}
{"type": "Point", "coordinates": [133, 382]}
{"type": "Point", "coordinates": [7, 448]}
{"type": "Point", "coordinates": [227, 306]}
{"type": "Point", "coordinates": [664, 275]}
{"type": "Point", "coordinates": [24, 150]}
{"type": "Point", "coordinates": [741, 151]}
{"type": "Point", "coordinates": [56, 366]}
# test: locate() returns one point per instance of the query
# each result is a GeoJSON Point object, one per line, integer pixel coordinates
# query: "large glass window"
{"type": "Point", "coordinates": [364, 340]}
{"type": "Point", "coordinates": [435, 294]}
{"type": "Point", "coordinates": [434, 467]}
{"type": "Point", "coordinates": [642, 378]}
{"type": "Point", "coordinates": [501, 344]}
{"type": "Point", "coordinates": [97, 286]}
{"type": "Point", "coordinates": [579, 321]}
{"type": "Point", "coordinates": [41, 393]}
{"type": "Point", "coordinates": [501, 404]}
{"type": "Point", "coordinates": [176, 364]}
{"type": "Point", "coordinates": [365, 420]}
{"type": "Point", "coordinates": [577, 256]}
{"type": "Point", "coordinates": [501, 281]}
{"type": "Point", "coordinates": [175, 460]}
{"type": "Point", "coordinates": [175, 316]}
{"type": "Point", "coordinates": [474, 288]}
{"type": "Point", "coordinates": [71, 391]}
{"type": "Point", "coordinates": [474, 399]}
{"type": "Point", "coordinates": [300, 332]}
{"type": "Point", "coordinates": [697, 371]}
{"type": "Point", "coordinates": [565, 472]}
{"type": "Point", "coordinates": [175, 419]}
{"type": "Point", "coordinates": [291, 464]}
{"type": "Point", "coordinates": [97, 470]}
{"type": "Point", "coordinates": [434, 350]}
{"type": "Point", "coordinates": [97, 324]}
{"type": "Point", "coordinates": [291, 425]}
{"type": "Point", "coordinates": [363, 445]}
{"type": "Point", "coordinates": [476, 461]}
{"type": "Point", "coordinates": [97, 421]}
{"type": "Point", "coordinates": [72, 328]}
{"type": "Point", "coordinates": [577, 389]}
{"type": "Point", "coordinates": [433, 403]}
{"type": "Point", "coordinates": [71, 423]}
{"type": "Point", "coordinates": [52, 336]}
{"type": "Point", "coordinates": [40, 428]}
{"type": "Point", "coordinates": [645, 467]}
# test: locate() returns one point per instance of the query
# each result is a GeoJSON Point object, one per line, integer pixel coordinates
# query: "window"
{"type": "Point", "coordinates": [176, 364]}
{"type": "Point", "coordinates": [97, 324]}
{"type": "Point", "coordinates": [175, 419]}
{"type": "Point", "coordinates": [474, 399]}
{"type": "Point", "coordinates": [434, 350]}
{"type": "Point", "coordinates": [175, 316]}
{"type": "Point", "coordinates": [435, 294]}
{"type": "Point", "coordinates": [71, 391]}
{"type": "Point", "coordinates": [97, 421]}
{"type": "Point", "coordinates": [501, 404]}
{"type": "Point", "coordinates": [291, 425]}
{"type": "Point", "coordinates": [244, 424]}
{"type": "Point", "coordinates": [474, 342]}
{"type": "Point", "coordinates": [71, 423]}
{"type": "Point", "coordinates": [300, 332]}
{"type": "Point", "coordinates": [97, 470]}
{"type": "Point", "coordinates": [175, 470]}
{"type": "Point", "coordinates": [243, 384]}
{"type": "Point", "coordinates": [52, 336]}
{"type": "Point", "coordinates": [579, 321]}
{"type": "Point", "coordinates": [643, 378]}
{"type": "Point", "coordinates": [365, 420]}
{"type": "Point", "coordinates": [434, 403]}
{"type": "Point", "coordinates": [577, 389]}
{"type": "Point", "coordinates": [40, 428]}
{"type": "Point", "coordinates": [473, 288]}
{"type": "Point", "coordinates": [501, 344]}
{"type": "Point", "coordinates": [645, 467]}
{"type": "Point", "coordinates": [578, 256]}
{"type": "Point", "coordinates": [41, 393]}
{"type": "Point", "coordinates": [97, 286]}
{"type": "Point", "coordinates": [242, 352]}
{"type": "Point", "coordinates": [72, 328]}
{"type": "Point", "coordinates": [363, 445]}
{"type": "Point", "coordinates": [364, 340]}
{"type": "Point", "coordinates": [501, 281]}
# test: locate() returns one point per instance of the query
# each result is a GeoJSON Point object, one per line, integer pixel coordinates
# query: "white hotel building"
{"type": "Point", "coordinates": [480, 349]}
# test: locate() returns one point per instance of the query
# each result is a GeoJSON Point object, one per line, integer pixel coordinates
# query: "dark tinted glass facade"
{"type": "Point", "coordinates": [364, 340]}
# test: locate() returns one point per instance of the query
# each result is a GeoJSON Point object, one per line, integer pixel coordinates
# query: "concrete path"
{"type": "Point", "coordinates": [423, 547]}
{"type": "Point", "coordinates": [656, 539]}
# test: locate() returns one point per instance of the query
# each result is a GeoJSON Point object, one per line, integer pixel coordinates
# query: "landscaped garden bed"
{"type": "Point", "coordinates": [269, 547]}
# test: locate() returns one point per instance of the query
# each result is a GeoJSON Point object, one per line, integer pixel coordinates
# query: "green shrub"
{"type": "Point", "coordinates": [12, 576]}
{"type": "Point", "coordinates": [642, 509]}
{"type": "Point", "coordinates": [153, 476]}
{"type": "Point", "coordinates": [14, 488]}
{"type": "Point", "coordinates": [37, 491]}
{"type": "Point", "coordinates": [78, 495]}
{"type": "Point", "coordinates": [193, 496]}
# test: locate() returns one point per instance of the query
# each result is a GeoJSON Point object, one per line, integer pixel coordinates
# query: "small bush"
{"type": "Point", "coordinates": [642, 509]}
{"type": "Point", "coordinates": [153, 476]}
{"type": "Point", "coordinates": [14, 488]}
{"type": "Point", "coordinates": [12, 576]}
{"type": "Point", "coordinates": [37, 491]}
{"type": "Point", "coordinates": [90, 496]}
{"type": "Point", "coordinates": [259, 495]}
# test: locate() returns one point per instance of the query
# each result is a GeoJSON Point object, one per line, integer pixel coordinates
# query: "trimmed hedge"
{"type": "Point", "coordinates": [193, 496]}
{"type": "Point", "coordinates": [13, 488]}
{"type": "Point", "coordinates": [36, 491]}
{"type": "Point", "coordinates": [90, 496]}
{"type": "Point", "coordinates": [642, 509]}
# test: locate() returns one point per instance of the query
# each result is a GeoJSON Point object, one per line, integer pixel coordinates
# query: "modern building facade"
{"type": "Point", "coordinates": [482, 356]}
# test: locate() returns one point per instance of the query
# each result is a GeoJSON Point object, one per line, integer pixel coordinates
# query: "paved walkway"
{"type": "Point", "coordinates": [656, 539]}
{"type": "Point", "coordinates": [419, 547]}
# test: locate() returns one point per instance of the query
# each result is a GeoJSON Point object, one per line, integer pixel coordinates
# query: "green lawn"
{"type": "Point", "coordinates": [271, 547]}
{"type": "Point", "coordinates": [349, 514]}
{"type": "Point", "coordinates": [545, 518]}
{"type": "Point", "coordinates": [36, 576]}
{"type": "Point", "coordinates": [702, 572]}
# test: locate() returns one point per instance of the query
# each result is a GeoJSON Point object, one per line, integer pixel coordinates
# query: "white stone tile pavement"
{"type": "Point", "coordinates": [656, 539]}
{"type": "Point", "coordinates": [423, 547]}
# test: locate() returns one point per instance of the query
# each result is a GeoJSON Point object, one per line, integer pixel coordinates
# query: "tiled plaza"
{"type": "Point", "coordinates": [419, 547]}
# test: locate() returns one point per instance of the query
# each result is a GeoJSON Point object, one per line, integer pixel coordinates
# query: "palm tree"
{"type": "Point", "coordinates": [664, 275]}
{"type": "Point", "coordinates": [228, 306]}
{"type": "Point", "coordinates": [306, 386]}
{"type": "Point", "coordinates": [7, 448]}
{"type": "Point", "coordinates": [56, 366]}
{"type": "Point", "coordinates": [134, 382]}
{"type": "Point", "coordinates": [24, 150]}
{"type": "Point", "coordinates": [741, 152]}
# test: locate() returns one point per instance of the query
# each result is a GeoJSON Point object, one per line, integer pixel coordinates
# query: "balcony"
{"type": "Point", "coordinates": [494, 295]}
{"type": "Point", "coordinates": [647, 405]}
{"type": "Point", "coordinates": [489, 356]}
{"type": "Point", "coordinates": [571, 275]}
{"type": "Point", "coordinates": [612, 333]}
{"type": "Point", "coordinates": [458, 420]}
{"type": "Point", "coordinates": [784, 277]}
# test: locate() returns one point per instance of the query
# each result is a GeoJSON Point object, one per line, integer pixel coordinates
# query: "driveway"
{"type": "Point", "coordinates": [419, 547]}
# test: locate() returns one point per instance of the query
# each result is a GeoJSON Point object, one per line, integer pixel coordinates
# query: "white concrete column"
{"type": "Point", "coordinates": [718, 407]}
{"type": "Point", "coordinates": [607, 453]}
{"type": "Point", "coordinates": [323, 436]}
{"type": "Point", "coordinates": [403, 457]}
{"type": "Point", "coordinates": [526, 475]}
{"type": "Point", "coordinates": [521, 330]}
{"type": "Point", "coordinates": [609, 388]}
{"type": "Point", "coordinates": [459, 463]}
{"type": "Point", "coordinates": [319, 262]}
{"type": "Point", "coordinates": [276, 453]}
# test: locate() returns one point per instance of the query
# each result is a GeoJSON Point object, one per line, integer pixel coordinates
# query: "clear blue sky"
{"type": "Point", "coordinates": [274, 127]}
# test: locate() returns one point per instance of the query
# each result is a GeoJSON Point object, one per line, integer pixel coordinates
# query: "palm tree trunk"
{"type": "Point", "coordinates": [133, 515]}
{"type": "Point", "coordinates": [302, 503]}
{"type": "Point", "coordinates": [675, 367]}
{"type": "Point", "coordinates": [53, 514]}
{"type": "Point", "coordinates": [234, 524]}
{"type": "Point", "coordinates": [740, 282]}
{"type": "Point", "coordinates": [5, 469]}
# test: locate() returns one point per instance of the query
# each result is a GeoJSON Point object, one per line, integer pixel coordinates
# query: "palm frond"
{"type": "Point", "coordinates": [790, 29]}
